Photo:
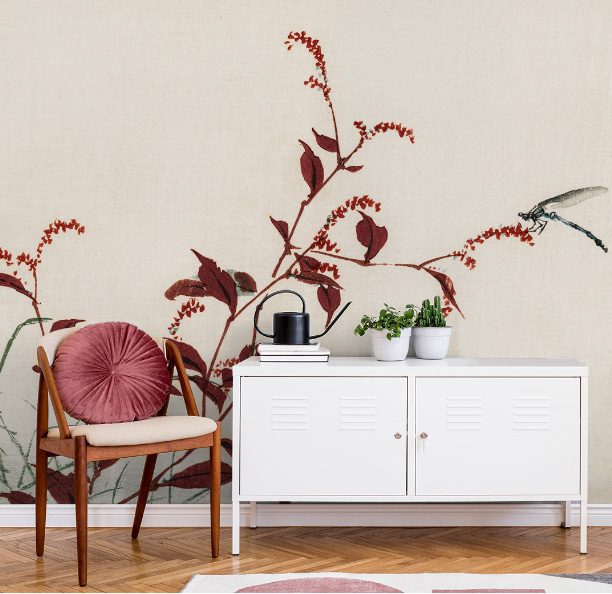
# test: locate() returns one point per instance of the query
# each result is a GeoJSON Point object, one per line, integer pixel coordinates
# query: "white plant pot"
{"type": "Point", "coordinates": [431, 343]}
{"type": "Point", "coordinates": [395, 349]}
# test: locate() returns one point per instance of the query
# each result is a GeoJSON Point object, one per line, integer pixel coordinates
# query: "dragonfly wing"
{"type": "Point", "coordinates": [571, 198]}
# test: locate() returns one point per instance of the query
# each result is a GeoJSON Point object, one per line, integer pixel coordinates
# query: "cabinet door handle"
{"type": "Point", "coordinates": [423, 435]}
{"type": "Point", "coordinates": [398, 436]}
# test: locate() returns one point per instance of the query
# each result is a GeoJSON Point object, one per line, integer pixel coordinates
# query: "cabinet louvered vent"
{"type": "Point", "coordinates": [464, 413]}
{"type": "Point", "coordinates": [357, 413]}
{"type": "Point", "coordinates": [289, 413]}
{"type": "Point", "coordinates": [531, 413]}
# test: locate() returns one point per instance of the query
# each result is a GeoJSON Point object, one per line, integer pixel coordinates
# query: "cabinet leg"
{"type": "Point", "coordinates": [583, 527]}
{"type": "Point", "coordinates": [253, 514]}
{"type": "Point", "coordinates": [236, 528]}
{"type": "Point", "coordinates": [567, 522]}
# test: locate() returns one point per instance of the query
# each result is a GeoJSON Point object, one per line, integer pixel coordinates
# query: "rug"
{"type": "Point", "coordinates": [409, 582]}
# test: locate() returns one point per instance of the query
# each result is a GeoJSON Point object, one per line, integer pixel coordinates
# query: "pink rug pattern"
{"type": "Point", "coordinates": [435, 583]}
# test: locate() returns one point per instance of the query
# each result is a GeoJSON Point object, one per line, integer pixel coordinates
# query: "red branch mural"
{"type": "Point", "coordinates": [317, 264]}
{"type": "Point", "coordinates": [16, 282]}
{"type": "Point", "coordinates": [61, 486]}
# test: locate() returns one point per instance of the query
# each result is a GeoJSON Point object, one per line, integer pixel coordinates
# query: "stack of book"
{"type": "Point", "coordinates": [293, 353]}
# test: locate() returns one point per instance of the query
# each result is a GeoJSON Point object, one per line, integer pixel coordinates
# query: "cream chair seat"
{"type": "Point", "coordinates": [154, 430]}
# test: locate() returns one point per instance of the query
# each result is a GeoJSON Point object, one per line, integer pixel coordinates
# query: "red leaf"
{"type": "Point", "coordinates": [213, 392]}
{"type": "Point", "coordinates": [307, 264]}
{"type": "Point", "coordinates": [20, 497]}
{"type": "Point", "coordinates": [227, 444]}
{"type": "Point", "coordinates": [314, 278]}
{"type": "Point", "coordinates": [245, 282]}
{"type": "Point", "coordinates": [371, 236]}
{"type": "Point", "coordinates": [175, 391]}
{"type": "Point", "coordinates": [281, 227]}
{"type": "Point", "coordinates": [325, 142]}
{"type": "Point", "coordinates": [102, 464]}
{"type": "Point", "coordinates": [6, 280]}
{"type": "Point", "coordinates": [227, 377]}
{"type": "Point", "coordinates": [217, 282]}
{"type": "Point", "coordinates": [191, 357]}
{"type": "Point", "coordinates": [329, 298]}
{"type": "Point", "coordinates": [217, 395]}
{"type": "Point", "coordinates": [188, 288]}
{"type": "Point", "coordinates": [197, 476]}
{"type": "Point", "coordinates": [246, 352]}
{"type": "Point", "coordinates": [447, 287]}
{"type": "Point", "coordinates": [354, 168]}
{"type": "Point", "coordinates": [312, 169]}
{"type": "Point", "coordinates": [62, 324]}
{"type": "Point", "coordinates": [61, 486]}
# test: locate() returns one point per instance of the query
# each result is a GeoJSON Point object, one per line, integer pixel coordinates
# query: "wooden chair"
{"type": "Point", "coordinates": [81, 451]}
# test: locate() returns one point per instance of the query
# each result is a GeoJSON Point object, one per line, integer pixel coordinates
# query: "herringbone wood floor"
{"type": "Point", "coordinates": [163, 559]}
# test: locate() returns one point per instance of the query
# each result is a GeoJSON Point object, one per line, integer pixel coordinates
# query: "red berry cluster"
{"type": "Point", "coordinates": [8, 258]}
{"type": "Point", "coordinates": [321, 240]}
{"type": "Point", "coordinates": [327, 267]}
{"type": "Point", "coordinates": [383, 127]}
{"type": "Point", "coordinates": [320, 267]}
{"type": "Point", "coordinates": [47, 239]}
{"type": "Point", "coordinates": [221, 365]}
{"type": "Point", "coordinates": [447, 307]}
{"type": "Point", "coordinates": [505, 231]}
{"type": "Point", "coordinates": [6, 255]}
{"type": "Point", "coordinates": [315, 49]}
{"type": "Point", "coordinates": [191, 306]}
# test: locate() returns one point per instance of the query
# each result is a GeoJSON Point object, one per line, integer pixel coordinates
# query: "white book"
{"type": "Point", "coordinates": [322, 352]}
{"type": "Point", "coordinates": [269, 346]}
{"type": "Point", "coordinates": [294, 358]}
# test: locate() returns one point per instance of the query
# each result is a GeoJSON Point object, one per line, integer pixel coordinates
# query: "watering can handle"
{"type": "Point", "coordinates": [268, 297]}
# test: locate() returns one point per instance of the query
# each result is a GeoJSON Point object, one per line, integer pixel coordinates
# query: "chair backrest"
{"type": "Point", "coordinates": [108, 372]}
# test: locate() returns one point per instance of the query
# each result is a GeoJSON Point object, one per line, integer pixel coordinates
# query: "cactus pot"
{"type": "Point", "coordinates": [395, 349]}
{"type": "Point", "coordinates": [431, 343]}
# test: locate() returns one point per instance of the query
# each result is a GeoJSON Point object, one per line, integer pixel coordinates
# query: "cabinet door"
{"type": "Point", "coordinates": [322, 436]}
{"type": "Point", "coordinates": [497, 436]}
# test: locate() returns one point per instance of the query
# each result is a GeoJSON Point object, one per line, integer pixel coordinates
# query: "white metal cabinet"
{"type": "Point", "coordinates": [497, 430]}
{"type": "Point", "coordinates": [498, 436]}
{"type": "Point", "coordinates": [323, 436]}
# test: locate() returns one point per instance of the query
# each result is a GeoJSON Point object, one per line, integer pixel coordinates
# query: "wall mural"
{"type": "Point", "coordinates": [321, 264]}
{"type": "Point", "coordinates": [20, 482]}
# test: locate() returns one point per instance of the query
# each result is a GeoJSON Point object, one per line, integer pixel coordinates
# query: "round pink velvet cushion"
{"type": "Point", "coordinates": [111, 373]}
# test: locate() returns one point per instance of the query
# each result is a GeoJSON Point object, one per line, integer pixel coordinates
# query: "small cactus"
{"type": "Point", "coordinates": [431, 316]}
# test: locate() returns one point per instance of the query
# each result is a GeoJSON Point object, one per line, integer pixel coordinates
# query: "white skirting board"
{"type": "Point", "coordinates": [317, 514]}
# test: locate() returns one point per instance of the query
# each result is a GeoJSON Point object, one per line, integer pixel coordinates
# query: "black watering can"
{"type": "Point", "coordinates": [292, 327]}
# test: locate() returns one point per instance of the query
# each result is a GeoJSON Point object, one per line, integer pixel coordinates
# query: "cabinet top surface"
{"type": "Point", "coordinates": [369, 366]}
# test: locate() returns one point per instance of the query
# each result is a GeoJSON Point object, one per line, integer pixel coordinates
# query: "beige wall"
{"type": "Point", "coordinates": [169, 126]}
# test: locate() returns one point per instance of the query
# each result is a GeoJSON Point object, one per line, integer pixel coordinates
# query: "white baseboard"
{"type": "Point", "coordinates": [317, 514]}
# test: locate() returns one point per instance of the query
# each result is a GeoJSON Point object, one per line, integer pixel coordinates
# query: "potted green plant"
{"type": "Point", "coordinates": [390, 332]}
{"type": "Point", "coordinates": [431, 335]}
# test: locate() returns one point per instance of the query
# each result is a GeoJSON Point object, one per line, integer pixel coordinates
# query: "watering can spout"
{"type": "Point", "coordinates": [332, 323]}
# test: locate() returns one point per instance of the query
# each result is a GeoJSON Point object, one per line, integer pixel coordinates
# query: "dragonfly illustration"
{"type": "Point", "coordinates": [546, 210]}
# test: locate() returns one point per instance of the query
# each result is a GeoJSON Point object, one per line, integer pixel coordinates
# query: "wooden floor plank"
{"type": "Point", "coordinates": [164, 559]}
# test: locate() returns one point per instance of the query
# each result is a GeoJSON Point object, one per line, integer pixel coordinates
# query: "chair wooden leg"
{"type": "Point", "coordinates": [215, 490]}
{"type": "Point", "coordinates": [80, 496]}
{"type": "Point", "coordinates": [143, 494]}
{"type": "Point", "coordinates": [42, 460]}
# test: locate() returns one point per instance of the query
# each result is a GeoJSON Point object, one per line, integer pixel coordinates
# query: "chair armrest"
{"type": "Point", "coordinates": [174, 356]}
